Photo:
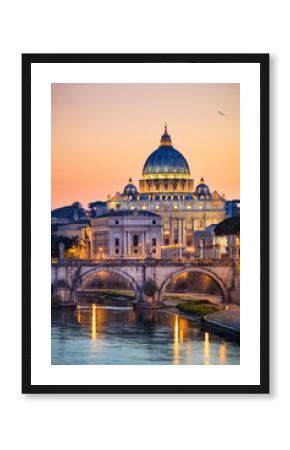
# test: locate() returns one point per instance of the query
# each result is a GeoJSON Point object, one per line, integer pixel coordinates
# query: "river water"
{"type": "Point", "coordinates": [96, 335]}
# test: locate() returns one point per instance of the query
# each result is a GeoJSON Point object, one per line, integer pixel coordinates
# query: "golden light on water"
{"type": "Point", "coordinates": [206, 349]}
{"type": "Point", "coordinates": [176, 343]}
{"type": "Point", "coordinates": [181, 335]}
{"type": "Point", "coordinates": [78, 316]}
{"type": "Point", "coordinates": [94, 325]}
{"type": "Point", "coordinates": [223, 353]}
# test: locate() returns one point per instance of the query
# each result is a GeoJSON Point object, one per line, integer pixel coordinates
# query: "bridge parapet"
{"type": "Point", "coordinates": [74, 272]}
{"type": "Point", "coordinates": [141, 263]}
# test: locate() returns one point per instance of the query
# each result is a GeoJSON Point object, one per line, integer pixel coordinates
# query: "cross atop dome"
{"type": "Point", "coordinates": [165, 138]}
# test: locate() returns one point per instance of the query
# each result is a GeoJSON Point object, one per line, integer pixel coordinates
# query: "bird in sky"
{"type": "Point", "coordinates": [221, 113]}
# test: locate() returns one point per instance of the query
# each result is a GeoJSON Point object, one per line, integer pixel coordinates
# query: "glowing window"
{"type": "Point", "coordinates": [175, 206]}
{"type": "Point", "coordinates": [143, 207]}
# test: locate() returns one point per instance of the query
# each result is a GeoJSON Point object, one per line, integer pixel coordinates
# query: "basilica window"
{"type": "Point", "coordinates": [116, 222]}
{"type": "Point", "coordinates": [175, 241]}
{"type": "Point", "coordinates": [153, 222]}
{"type": "Point", "coordinates": [154, 242]}
{"type": "Point", "coordinates": [117, 242]}
{"type": "Point", "coordinates": [166, 241]}
{"type": "Point", "coordinates": [135, 240]}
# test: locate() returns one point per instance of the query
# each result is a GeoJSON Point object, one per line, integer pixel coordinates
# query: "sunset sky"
{"type": "Point", "coordinates": [103, 133]}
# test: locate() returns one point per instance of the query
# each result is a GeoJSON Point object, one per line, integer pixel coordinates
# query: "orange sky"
{"type": "Point", "coordinates": [103, 133]}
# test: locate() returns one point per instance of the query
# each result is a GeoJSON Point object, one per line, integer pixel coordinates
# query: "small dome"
{"type": "Point", "coordinates": [202, 188]}
{"type": "Point", "coordinates": [130, 188]}
{"type": "Point", "coordinates": [166, 159]}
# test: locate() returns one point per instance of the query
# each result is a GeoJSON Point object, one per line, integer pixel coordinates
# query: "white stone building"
{"type": "Point", "coordinates": [127, 234]}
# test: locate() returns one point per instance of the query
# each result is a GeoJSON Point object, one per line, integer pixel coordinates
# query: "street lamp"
{"type": "Point", "coordinates": [101, 253]}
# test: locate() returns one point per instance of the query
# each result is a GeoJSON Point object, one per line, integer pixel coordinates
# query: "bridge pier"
{"type": "Point", "coordinates": [149, 302]}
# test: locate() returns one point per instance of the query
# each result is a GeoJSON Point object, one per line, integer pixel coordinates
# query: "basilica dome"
{"type": "Point", "coordinates": [130, 188]}
{"type": "Point", "coordinates": [202, 188]}
{"type": "Point", "coordinates": [166, 159]}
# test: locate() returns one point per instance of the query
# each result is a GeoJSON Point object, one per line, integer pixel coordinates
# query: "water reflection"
{"type": "Point", "coordinates": [223, 353]}
{"type": "Point", "coordinates": [206, 349]}
{"type": "Point", "coordinates": [106, 336]}
{"type": "Point", "coordinates": [94, 330]}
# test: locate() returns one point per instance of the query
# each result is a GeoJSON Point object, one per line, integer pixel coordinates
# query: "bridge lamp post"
{"type": "Point", "coordinates": [101, 253]}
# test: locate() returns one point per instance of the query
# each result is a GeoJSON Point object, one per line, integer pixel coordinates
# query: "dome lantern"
{"type": "Point", "coordinates": [165, 138]}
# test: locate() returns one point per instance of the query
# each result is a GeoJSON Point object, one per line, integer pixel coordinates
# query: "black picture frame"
{"type": "Point", "coordinates": [263, 61]}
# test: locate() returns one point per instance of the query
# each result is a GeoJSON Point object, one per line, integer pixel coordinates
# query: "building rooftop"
{"type": "Point", "coordinates": [128, 213]}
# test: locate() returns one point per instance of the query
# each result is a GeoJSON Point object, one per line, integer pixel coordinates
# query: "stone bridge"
{"type": "Point", "coordinates": [69, 275]}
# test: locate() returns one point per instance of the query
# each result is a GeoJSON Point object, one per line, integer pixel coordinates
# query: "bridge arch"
{"type": "Point", "coordinates": [212, 275]}
{"type": "Point", "coordinates": [82, 277]}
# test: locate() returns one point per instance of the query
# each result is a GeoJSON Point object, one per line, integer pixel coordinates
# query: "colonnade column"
{"type": "Point", "coordinates": [184, 233]}
{"type": "Point", "coordinates": [171, 231]}
{"type": "Point", "coordinates": [128, 243]}
{"type": "Point", "coordinates": [144, 243]}
{"type": "Point", "coordinates": [179, 238]}
{"type": "Point", "coordinates": [124, 243]}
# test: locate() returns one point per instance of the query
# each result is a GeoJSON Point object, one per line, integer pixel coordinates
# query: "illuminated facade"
{"type": "Point", "coordinates": [166, 188]}
{"type": "Point", "coordinates": [123, 234]}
